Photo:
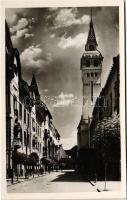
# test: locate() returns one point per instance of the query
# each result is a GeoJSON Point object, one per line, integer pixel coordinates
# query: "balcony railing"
{"type": "Point", "coordinates": [17, 143]}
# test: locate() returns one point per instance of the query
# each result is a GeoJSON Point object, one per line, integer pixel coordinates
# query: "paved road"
{"type": "Point", "coordinates": [66, 181]}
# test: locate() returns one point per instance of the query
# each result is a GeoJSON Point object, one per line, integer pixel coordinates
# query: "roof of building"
{"type": "Point", "coordinates": [34, 86]}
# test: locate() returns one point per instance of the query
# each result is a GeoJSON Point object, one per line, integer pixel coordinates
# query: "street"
{"type": "Point", "coordinates": [65, 181]}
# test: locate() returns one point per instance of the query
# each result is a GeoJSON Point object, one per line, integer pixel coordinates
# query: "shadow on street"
{"type": "Point", "coordinates": [70, 176]}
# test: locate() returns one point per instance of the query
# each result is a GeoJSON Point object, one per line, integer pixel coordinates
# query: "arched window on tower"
{"type": "Point", "coordinates": [87, 63]}
{"type": "Point", "coordinates": [87, 74]}
{"type": "Point", "coordinates": [95, 63]}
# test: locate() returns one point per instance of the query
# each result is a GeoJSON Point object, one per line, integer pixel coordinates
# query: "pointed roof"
{"type": "Point", "coordinates": [91, 44]}
{"type": "Point", "coordinates": [33, 81]}
{"type": "Point", "coordinates": [34, 86]}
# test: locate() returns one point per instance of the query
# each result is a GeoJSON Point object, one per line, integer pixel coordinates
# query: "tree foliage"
{"type": "Point", "coordinates": [107, 138]}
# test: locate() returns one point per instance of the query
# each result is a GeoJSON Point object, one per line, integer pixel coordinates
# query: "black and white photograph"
{"type": "Point", "coordinates": [64, 101]}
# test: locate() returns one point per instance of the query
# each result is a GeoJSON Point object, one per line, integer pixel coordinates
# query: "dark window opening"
{"type": "Point", "coordinates": [24, 116]}
{"type": "Point", "coordinates": [33, 124]}
{"type": "Point", "coordinates": [14, 102]}
{"type": "Point", "coordinates": [33, 143]}
{"type": "Point", "coordinates": [87, 63]}
{"type": "Point", "coordinates": [28, 119]}
{"type": "Point", "coordinates": [24, 138]}
{"type": "Point", "coordinates": [95, 63]}
{"type": "Point", "coordinates": [87, 74]}
{"type": "Point", "coordinates": [20, 110]}
{"type": "Point", "coordinates": [40, 148]}
{"type": "Point", "coordinates": [91, 47]}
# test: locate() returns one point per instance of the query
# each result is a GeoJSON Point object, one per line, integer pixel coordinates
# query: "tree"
{"type": "Point", "coordinates": [107, 140]}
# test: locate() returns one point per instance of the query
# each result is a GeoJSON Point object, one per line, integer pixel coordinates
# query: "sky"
{"type": "Point", "coordinates": [51, 42]}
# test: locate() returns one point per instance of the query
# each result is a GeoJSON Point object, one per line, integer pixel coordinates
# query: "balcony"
{"type": "Point", "coordinates": [17, 143]}
{"type": "Point", "coordinates": [16, 112]}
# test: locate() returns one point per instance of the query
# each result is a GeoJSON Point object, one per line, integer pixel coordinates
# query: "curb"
{"type": "Point", "coordinates": [94, 185]}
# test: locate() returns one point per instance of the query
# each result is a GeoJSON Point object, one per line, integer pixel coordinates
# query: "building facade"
{"type": "Point", "coordinates": [91, 68]}
{"type": "Point", "coordinates": [32, 141]}
{"type": "Point", "coordinates": [106, 112]}
{"type": "Point", "coordinates": [107, 102]}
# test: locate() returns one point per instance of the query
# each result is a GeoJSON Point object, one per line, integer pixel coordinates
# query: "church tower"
{"type": "Point", "coordinates": [91, 68]}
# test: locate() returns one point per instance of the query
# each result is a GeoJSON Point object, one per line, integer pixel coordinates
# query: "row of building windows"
{"type": "Point", "coordinates": [90, 62]}
{"type": "Point", "coordinates": [26, 115]}
{"type": "Point", "coordinates": [38, 130]}
{"type": "Point", "coordinates": [110, 103]}
{"type": "Point", "coordinates": [37, 145]}
{"type": "Point", "coordinates": [92, 74]}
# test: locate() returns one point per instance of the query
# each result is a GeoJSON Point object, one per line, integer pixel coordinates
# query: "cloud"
{"type": "Point", "coordinates": [19, 34]}
{"type": "Point", "coordinates": [46, 90]}
{"type": "Point", "coordinates": [12, 19]}
{"type": "Point", "coordinates": [71, 141]}
{"type": "Point", "coordinates": [52, 35]}
{"type": "Point", "coordinates": [21, 24]}
{"type": "Point", "coordinates": [35, 57]}
{"type": "Point", "coordinates": [22, 29]}
{"type": "Point", "coordinates": [67, 17]}
{"type": "Point", "coordinates": [76, 41]}
{"type": "Point", "coordinates": [28, 35]}
{"type": "Point", "coordinates": [11, 16]}
{"type": "Point", "coordinates": [63, 100]}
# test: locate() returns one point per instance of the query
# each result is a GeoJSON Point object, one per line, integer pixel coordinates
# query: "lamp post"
{"type": "Point", "coordinates": [12, 171]}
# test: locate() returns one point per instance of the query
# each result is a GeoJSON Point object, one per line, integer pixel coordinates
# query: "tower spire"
{"type": "Point", "coordinates": [91, 44]}
{"type": "Point", "coordinates": [91, 13]}
{"type": "Point", "coordinates": [34, 85]}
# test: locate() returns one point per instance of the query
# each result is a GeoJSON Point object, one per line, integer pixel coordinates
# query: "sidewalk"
{"type": "Point", "coordinates": [111, 186]}
{"type": "Point", "coordinates": [22, 179]}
